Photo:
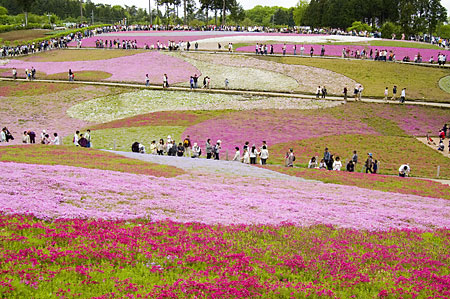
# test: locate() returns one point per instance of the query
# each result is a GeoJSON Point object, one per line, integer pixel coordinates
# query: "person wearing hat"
{"type": "Point", "coordinates": [369, 163]}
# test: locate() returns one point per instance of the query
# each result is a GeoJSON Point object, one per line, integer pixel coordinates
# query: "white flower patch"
{"type": "Point", "coordinates": [242, 78]}
{"type": "Point", "coordinates": [124, 105]}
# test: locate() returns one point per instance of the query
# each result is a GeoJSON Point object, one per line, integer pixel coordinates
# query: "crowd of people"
{"type": "Point", "coordinates": [330, 162]}
{"type": "Point", "coordinates": [187, 148]}
{"type": "Point", "coordinates": [29, 137]}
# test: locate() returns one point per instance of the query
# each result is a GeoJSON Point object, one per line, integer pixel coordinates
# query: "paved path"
{"type": "Point", "coordinates": [237, 92]}
{"type": "Point", "coordinates": [212, 166]}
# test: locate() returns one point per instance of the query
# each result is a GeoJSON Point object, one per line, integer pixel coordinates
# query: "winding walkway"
{"type": "Point", "coordinates": [211, 166]}
{"type": "Point", "coordinates": [235, 92]}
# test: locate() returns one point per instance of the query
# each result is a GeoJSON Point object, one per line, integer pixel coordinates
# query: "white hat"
{"type": "Point", "coordinates": [218, 141]}
{"type": "Point", "coordinates": [195, 143]}
{"type": "Point", "coordinates": [43, 131]}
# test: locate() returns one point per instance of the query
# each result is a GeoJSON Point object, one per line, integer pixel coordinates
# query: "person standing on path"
{"type": "Point", "coordinates": [217, 149]}
{"type": "Point", "coordinates": [14, 73]}
{"type": "Point", "coordinates": [386, 94]}
{"type": "Point", "coordinates": [264, 155]}
{"type": "Point", "coordinates": [187, 146]}
{"type": "Point", "coordinates": [88, 137]}
{"type": "Point", "coordinates": [345, 94]}
{"type": "Point", "coordinates": [360, 90]}
{"type": "Point", "coordinates": [324, 92]}
{"type": "Point", "coordinates": [284, 49]}
{"type": "Point", "coordinates": [195, 78]}
{"type": "Point", "coordinates": [209, 149]}
{"type": "Point", "coordinates": [369, 163]}
{"type": "Point", "coordinates": [311, 51]}
{"type": "Point", "coordinates": [302, 49]}
{"type": "Point", "coordinates": [290, 158]}
{"type": "Point", "coordinates": [76, 138]}
{"type": "Point", "coordinates": [165, 81]}
{"type": "Point", "coordinates": [295, 49]}
{"type": "Point", "coordinates": [355, 158]}
{"type": "Point", "coordinates": [147, 80]}
{"type": "Point", "coordinates": [318, 91]}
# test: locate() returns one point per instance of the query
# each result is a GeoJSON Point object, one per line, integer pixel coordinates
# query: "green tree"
{"type": "Point", "coordinates": [299, 11]}
{"type": "Point", "coordinates": [25, 4]}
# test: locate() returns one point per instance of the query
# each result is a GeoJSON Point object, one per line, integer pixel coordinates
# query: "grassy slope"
{"type": "Point", "coordinates": [81, 157]}
{"type": "Point", "coordinates": [78, 55]}
{"type": "Point", "coordinates": [390, 151]}
{"type": "Point", "coordinates": [23, 35]}
{"type": "Point", "coordinates": [20, 89]}
{"type": "Point", "coordinates": [420, 82]}
{"type": "Point", "coordinates": [369, 181]}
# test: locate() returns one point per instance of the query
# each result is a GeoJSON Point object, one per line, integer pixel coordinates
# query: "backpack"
{"type": "Point", "coordinates": [186, 142]}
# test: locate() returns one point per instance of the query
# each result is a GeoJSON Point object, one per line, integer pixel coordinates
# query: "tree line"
{"type": "Point", "coordinates": [411, 16]}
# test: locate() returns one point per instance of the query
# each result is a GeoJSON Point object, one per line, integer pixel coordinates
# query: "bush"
{"type": "Point", "coordinates": [359, 26]}
{"type": "Point", "coordinates": [390, 28]}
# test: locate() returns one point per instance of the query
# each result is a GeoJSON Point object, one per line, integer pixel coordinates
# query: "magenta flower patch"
{"type": "Point", "coordinates": [127, 68]}
{"type": "Point", "coordinates": [236, 128]}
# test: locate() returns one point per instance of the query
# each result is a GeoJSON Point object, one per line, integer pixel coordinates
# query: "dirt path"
{"type": "Point", "coordinates": [446, 151]}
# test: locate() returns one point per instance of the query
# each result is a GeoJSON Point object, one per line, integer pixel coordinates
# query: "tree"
{"type": "Point", "coordinates": [299, 11]}
{"type": "Point", "coordinates": [25, 4]}
{"type": "Point", "coordinates": [206, 6]}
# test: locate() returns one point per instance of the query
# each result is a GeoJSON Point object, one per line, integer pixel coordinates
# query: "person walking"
{"type": "Point", "coordinates": [147, 80]}
{"type": "Point", "coordinates": [394, 93]}
{"type": "Point", "coordinates": [386, 94]}
{"type": "Point", "coordinates": [403, 96]}
{"type": "Point", "coordinates": [360, 91]}
{"type": "Point", "coordinates": [264, 155]}
{"type": "Point", "coordinates": [345, 94]}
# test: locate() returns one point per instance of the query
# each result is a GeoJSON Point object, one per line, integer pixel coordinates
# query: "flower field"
{"type": "Point", "coordinates": [89, 223]}
{"type": "Point", "coordinates": [242, 78]}
{"type": "Point", "coordinates": [85, 158]}
{"type": "Point", "coordinates": [308, 78]}
{"type": "Point", "coordinates": [109, 108]}
{"type": "Point", "coordinates": [50, 192]}
{"type": "Point", "coordinates": [141, 259]}
{"type": "Point", "coordinates": [126, 68]}
{"type": "Point", "coordinates": [273, 126]}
